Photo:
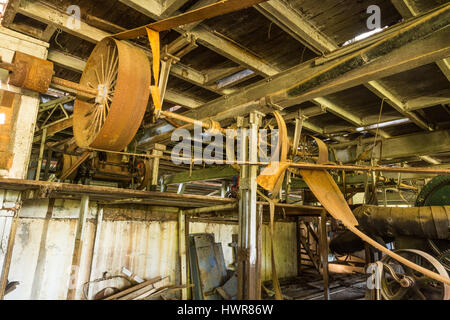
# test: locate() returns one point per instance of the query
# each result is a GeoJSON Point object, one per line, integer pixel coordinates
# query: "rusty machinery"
{"type": "Point", "coordinates": [101, 166]}
{"type": "Point", "coordinates": [420, 234]}
{"type": "Point", "coordinates": [113, 95]}
{"type": "Point", "coordinates": [114, 90]}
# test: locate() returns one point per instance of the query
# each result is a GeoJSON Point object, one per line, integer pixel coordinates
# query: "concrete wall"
{"type": "Point", "coordinates": [138, 238]}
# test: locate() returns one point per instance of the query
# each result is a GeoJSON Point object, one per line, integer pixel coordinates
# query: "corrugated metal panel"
{"type": "Point", "coordinates": [148, 249]}
{"type": "Point", "coordinates": [285, 249]}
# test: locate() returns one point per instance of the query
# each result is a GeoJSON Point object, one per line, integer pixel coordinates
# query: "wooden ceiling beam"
{"type": "Point", "coordinates": [297, 26]}
{"type": "Point", "coordinates": [150, 8]}
{"type": "Point", "coordinates": [45, 14]}
{"type": "Point", "coordinates": [393, 100]}
{"type": "Point", "coordinates": [287, 18]}
{"type": "Point", "coordinates": [243, 57]}
{"type": "Point", "coordinates": [408, 55]}
{"type": "Point", "coordinates": [417, 43]}
{"type": "Point", "coordinates": [169, 7]}
{"type": "Point", "coordinates": [407, 9]}
{"type": "Point", "coordinates": [219, 45]}
{"type": "Point", "coordinates": [421, 144]}
{"type": "Point", "coordinates": [428, 101]}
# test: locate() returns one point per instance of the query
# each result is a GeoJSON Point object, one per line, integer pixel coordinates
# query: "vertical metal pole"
{"type": "Point", "coordinates": [324, 253]}
{"type": "Point", "coordinates": [188, 270]}
{"type": "Point", "coordinates": [248, 217]}
{"type": "Point", "coordinates": [41, 153]}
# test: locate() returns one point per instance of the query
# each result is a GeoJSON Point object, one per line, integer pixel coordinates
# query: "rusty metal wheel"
{"type": "Point", "coordinates": [65, 162]}
{"type": "Point", "coordinates": [421, 286]}
{"type": "Point", "coordinates": [121, 74]}
{"type": "Point", "coordinates": [143, 174]}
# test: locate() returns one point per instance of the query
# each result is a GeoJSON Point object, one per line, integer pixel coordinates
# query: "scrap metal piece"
{"type": "Point", "coordinates": [207, 266]}
{"type": "Point", "coordinates": [271, 178]}
{"type": "Point", "coordinates": [328, 193]}
{"type": "Point", "coordinates": [30, 72]}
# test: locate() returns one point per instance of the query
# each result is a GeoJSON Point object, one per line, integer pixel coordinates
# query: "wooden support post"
{"type": "Point", "coordinates": [188, 271]}
{"type": "Point", "coordinates": [324, 253]}
{"type": "Point", "coordinates": [41, 153]}
{"type": "Point", "coordinates": [299, 245]}
{"type": "Point", "coordinates": [8, 255]}
{"type": "Point", "coordinates": [164, 76]}
{"type": "Point", "coordinates": [7, 261]}
{"type": "Point", "coordinates": [95, 247]}
{"type": "Point", "coordinates": [78, 247]}
{"type": "Point", "coordinates": [182, 244]}
{"type": "Point", "coordinates": [47, 164]}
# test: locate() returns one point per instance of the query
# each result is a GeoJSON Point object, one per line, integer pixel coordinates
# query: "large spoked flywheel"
{"type": "Point", "coordinates": [413, 285]}
{"type": "Point", "coordinates": [121, 74]}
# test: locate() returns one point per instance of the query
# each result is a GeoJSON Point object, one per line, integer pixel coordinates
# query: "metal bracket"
{"type": "Point", "coordinates": [268, 101]}
{"type": "Point", "coordinates": [166, 56]}
{"type": "Point", "coordinates": [256, 117]}
{"type": "Point", "coordinates": [298, 131]}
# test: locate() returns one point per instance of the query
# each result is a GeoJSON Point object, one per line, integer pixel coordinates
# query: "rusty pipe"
{"type": "Point", "coordinates": [431, 222]}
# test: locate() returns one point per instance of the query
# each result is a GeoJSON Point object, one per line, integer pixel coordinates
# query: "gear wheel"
{"type": "Point", "coordinates": [435, 192]}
